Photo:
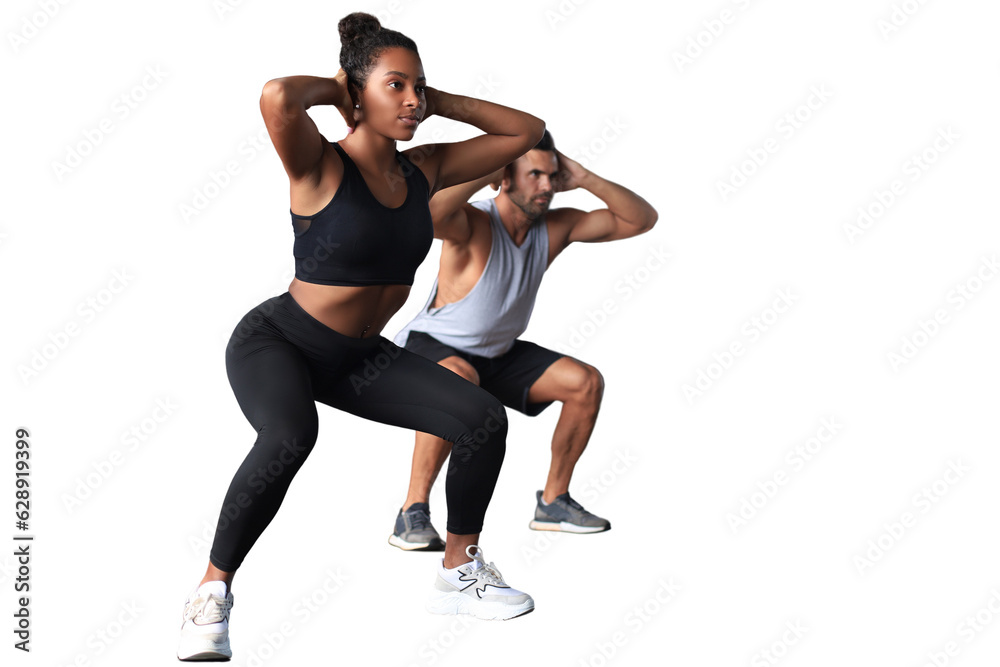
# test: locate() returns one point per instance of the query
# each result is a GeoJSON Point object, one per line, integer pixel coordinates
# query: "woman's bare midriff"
{"type": "Point", "coordinates": [358, 312]}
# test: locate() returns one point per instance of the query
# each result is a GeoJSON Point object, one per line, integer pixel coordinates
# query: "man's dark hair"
{"type": "Point", "coordinates": [545, 143]}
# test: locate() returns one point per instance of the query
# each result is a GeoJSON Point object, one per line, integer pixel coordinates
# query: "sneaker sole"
{"type": "Point", "coordinates": [564, 527]}
{"type": "Point", "coordinates": [198, 650]}
{"type": "Point", "coordinates": [396, 541]}
{"type": "Point", "coordinates": [460, 603]}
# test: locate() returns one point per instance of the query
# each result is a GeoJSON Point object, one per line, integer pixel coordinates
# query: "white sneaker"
{"type": "Point", "coordinates": [205, 628]}
{"type": "Point", "coordinates": [477, 589]}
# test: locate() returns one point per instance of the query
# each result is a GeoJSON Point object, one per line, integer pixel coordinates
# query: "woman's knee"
{"type": "Point", "coordinates": [486, 419]}
{"type": "Point", "coordinates": [287, 443]}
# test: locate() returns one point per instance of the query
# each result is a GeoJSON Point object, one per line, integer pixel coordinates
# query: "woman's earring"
{"type": "Point", "coordinates": [357, 106]}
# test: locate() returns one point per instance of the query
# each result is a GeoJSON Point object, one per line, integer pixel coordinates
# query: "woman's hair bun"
{"type": "Point", "coordinates": [356, 26]}
{"type": "Point", "coordinates": [362, 41]}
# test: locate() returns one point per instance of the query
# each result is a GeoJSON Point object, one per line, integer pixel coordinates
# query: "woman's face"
{"type": "Point", "coordinates": [393, 101]}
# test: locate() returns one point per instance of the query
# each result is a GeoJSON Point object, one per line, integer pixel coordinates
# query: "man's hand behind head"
{"type": "Point", "coordinates": [569, 175]}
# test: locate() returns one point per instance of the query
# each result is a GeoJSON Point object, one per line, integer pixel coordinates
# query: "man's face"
{"type": "Point", "coordinates": [529, 182]}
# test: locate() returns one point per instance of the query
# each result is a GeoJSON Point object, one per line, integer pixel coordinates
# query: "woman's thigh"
{"type": "Point", "coordinates": [271, 381]}
{"type": "Point", "coordinates": [392, 385]}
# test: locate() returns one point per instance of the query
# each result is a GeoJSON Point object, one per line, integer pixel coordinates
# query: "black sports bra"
{"type": "Point", "coordinates": [357, 240]}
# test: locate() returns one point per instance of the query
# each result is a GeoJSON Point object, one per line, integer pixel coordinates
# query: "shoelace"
{"type": "Point", "coordinates": [419, 519]}
{"type": "Point", "coordinates": [485, 573]}
{"type": "Point", "coordinates": [199, 609]}
{"type": "Point", "coordinates": [575, 505]}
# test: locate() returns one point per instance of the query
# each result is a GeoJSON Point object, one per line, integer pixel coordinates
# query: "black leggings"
{"type": "Point", "coordinates": [281, 360]}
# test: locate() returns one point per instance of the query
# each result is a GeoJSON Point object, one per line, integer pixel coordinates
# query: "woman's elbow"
{"type": "Point", "coordinates": [273, 88]}
{"type": "Point", "coordinates": [651, 217]}
{"type": "Point", "coordinates": [535, 128]}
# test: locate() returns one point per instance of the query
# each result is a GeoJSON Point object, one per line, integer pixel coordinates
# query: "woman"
{"type": "Point", "coordinates": [362, 226]}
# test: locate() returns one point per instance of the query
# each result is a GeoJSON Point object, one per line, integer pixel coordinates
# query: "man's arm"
{"type": "Point", "coordinates": [627, 214]}
{"type": "Point", "coordinates": [448, 207]}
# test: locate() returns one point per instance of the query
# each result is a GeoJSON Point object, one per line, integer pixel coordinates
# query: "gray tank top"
{"type": "Point", "coordinates": [486, 321]}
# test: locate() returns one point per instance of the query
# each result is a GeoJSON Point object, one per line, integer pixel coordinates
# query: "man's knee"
{"type": "Point", "coordinates": [595, 382]}
{"type": "Point", "coordinates": [461, 367]}
{"type": "Point", "coordinates": [588, 383]}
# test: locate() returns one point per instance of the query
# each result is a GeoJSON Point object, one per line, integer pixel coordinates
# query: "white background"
{"type": "Point", "coordinates": [608, 79]}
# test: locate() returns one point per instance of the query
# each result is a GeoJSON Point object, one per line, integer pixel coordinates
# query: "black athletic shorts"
{"type": "Point", "coordinates": [508, 377]}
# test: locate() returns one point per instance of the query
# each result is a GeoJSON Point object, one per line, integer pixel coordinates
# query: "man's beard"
{"type": "Point", "coordinates": [532, 209]}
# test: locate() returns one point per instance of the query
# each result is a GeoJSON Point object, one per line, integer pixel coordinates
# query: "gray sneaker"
{"type": "Point", "coordinates": [414, 532]}
{"type": "Point", "coordinates": [566, 515]}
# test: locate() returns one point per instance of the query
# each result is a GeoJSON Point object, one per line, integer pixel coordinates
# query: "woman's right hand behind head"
{"type": "Point", "coordinates": [345, 105]}
{"type": "Point", "coordinates": [496, 178]}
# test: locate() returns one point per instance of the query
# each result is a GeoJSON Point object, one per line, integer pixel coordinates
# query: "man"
{"type": "Point", "coordinates": [494, 253]}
